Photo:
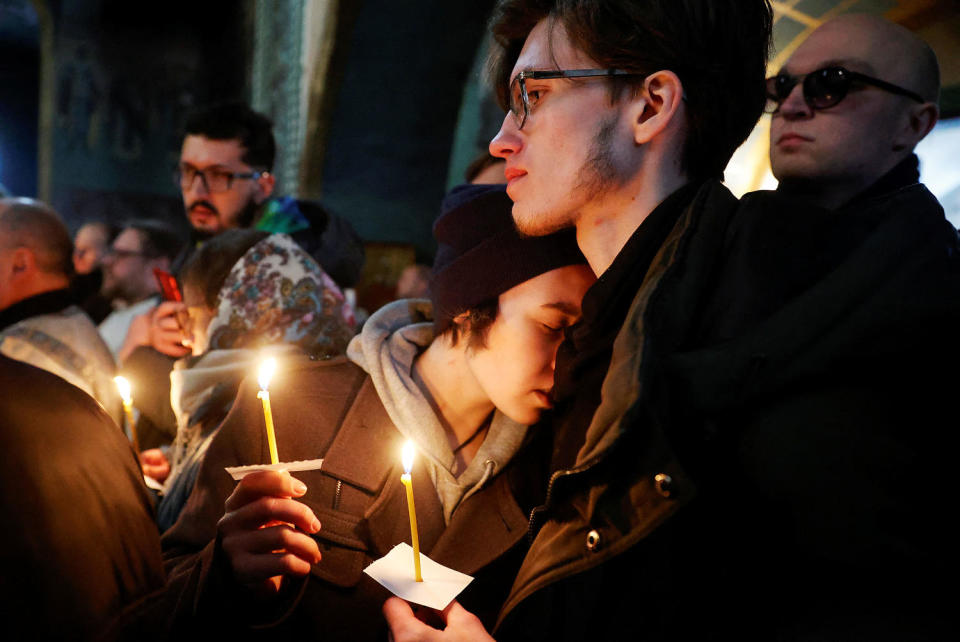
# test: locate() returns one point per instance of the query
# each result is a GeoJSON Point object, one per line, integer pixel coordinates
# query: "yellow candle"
{"type": "Point", "coordinates": [123, 386]}
{"type": "Point", "coordinates": [267, 369]}
{"type": "Point", "coordinates": [407, 481]}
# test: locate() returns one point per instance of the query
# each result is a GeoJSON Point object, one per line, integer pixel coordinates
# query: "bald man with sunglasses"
{"type": "Point", "coordinates": [848, 108]}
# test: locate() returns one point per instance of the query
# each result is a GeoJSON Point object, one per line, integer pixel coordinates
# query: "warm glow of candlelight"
{"type": "Point", "coordinates": [123, 386]}
{"type": "Point", "coordinates": [265, 374]}
{"type": "Point", "coordinates": [407, 456]}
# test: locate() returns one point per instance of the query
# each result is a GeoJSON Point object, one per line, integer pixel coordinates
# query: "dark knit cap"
{"type": "Point", "coordinates": [480, 254]}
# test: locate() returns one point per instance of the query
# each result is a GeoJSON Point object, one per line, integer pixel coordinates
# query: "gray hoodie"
{"type": "Point", "coordinates": [386, 348]}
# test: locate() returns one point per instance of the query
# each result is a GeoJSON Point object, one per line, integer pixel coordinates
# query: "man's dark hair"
{"type": "Point", "coordinates": [718, 49]}
{"type": "Point", "coordinates": [236, 121]}
{"type": "Point", "coordinates": [156, 238]}
{"type": "Point", "coordinates": [110, 231]}
{"type": "Point", "coordinates": [209, 266]}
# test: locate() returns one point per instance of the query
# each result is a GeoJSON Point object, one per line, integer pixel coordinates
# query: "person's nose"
{"type": "Point", "coordinates": [553, 361]}
{"type": "Point", "coordinates": [198, 187]}
{"type": "Point", "coordinates": [507, 141]}
{"type": "Point", "coordinates": [794, 106]}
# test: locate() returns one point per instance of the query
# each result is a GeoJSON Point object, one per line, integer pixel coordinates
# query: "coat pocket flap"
{"type": "Point", "coordinates": [343, 554]}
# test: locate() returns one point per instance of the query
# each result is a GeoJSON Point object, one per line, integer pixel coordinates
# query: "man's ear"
{"type": "Point", "coordinates": [920, 120]}
{"type": "Point", "coordinates": [460, 326]}
{"type": "Point", "coordinates": [23, 262]}
{"type": "Point", "coordinates": [265, 185]}
{"type": "Point", "coordinates": [655, 107]}
{"type": "Point", "coordinates": [462, 321]}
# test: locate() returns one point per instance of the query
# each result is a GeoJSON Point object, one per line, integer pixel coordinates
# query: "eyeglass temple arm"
{"type": "Point", "coordinates": [883, 84]}
{"type": "Point", "coordinates": [577, 73]}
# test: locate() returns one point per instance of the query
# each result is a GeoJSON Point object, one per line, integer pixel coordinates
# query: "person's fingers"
{"type": "Point", "coordinates": [403, 624]}
{"type": "Point", "coordinates": [168, 335]}
{"type": "Point", "coordinates": [172, 349]}
{"type": "Point", "coordinates": [254, 569]}
{"type": "Point", "coordinates": [154, 464]}
{"type": "Point", "coordinates": [182, 317]}
{"type": "Point", "coordinates": [272, 540]}
{"type": "Point", "coordinates": [159, 473]}
{"type": "Point", "coordinates": [153, 456]}
{"type": "Point", "coordinates": [264, 483]}
{"type": "Point", "coordinates": [169, 342]}
{"type": "Point", "coordinates": [265, 510]}
{"type": "Point", "coordinates": [167, 309]}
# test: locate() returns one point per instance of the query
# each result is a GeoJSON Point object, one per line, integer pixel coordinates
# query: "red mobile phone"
{"type": "Point", "coordinates": [168, 285]}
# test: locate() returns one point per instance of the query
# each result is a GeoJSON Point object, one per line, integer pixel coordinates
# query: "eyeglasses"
{"type": "Point", "coordinates": [520, 98]}
{"type": "Point", "coordinates": [214, 180]}
{"type": "Point", "coordinates": [825, 88]}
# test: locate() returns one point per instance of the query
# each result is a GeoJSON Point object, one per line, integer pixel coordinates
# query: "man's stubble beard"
{"type": "Point", "coordinates": [115, 289]}
{"type": "Point", "coordinates": [600, 173]}
{"type": "Point", "coordinates": [597, 176]}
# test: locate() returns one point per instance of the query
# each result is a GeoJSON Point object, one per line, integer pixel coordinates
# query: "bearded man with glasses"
{"type": "Point", "coordinates": [225, 178]}
{"type": "Point", "coordinates": [749, 439]}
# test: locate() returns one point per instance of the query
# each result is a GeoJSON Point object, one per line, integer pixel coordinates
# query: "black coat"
{"type": "Point", "coordinates": [79, 546]}
{"type": "Point", "coordinates": [771, 456]}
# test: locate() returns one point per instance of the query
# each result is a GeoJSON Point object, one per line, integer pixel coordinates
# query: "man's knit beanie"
{"type": "Point", "coordinates": [481, 254]}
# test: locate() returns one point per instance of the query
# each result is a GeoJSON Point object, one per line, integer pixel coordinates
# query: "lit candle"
{"type": "Point", "coordinates": [123, 386]}
{"type": "Point", "coordinates": [267, 368]}
{"type": "Point", "coordinates": [407, 458]}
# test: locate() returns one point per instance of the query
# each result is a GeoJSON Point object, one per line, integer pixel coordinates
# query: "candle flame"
{"type": "Point", "coordinates": [267, 368]}
{"type": "Point", "coordinates": [123, 386]}
{"type": "Point", "coordinates": [407, 456]}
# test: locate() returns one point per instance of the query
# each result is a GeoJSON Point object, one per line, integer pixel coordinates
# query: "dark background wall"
{"type": "Point", "coordinates": [396, 110]}
{"type": "Point", "coordinates": [20, 102]}
{"type": "Point", "coordinates": [126, 74]}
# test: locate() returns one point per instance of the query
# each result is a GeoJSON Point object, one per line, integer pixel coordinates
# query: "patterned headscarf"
{"type": "Point", "coordinates": [277, 293]}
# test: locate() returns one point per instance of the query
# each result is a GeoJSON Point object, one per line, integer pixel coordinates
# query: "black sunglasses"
{"type": "Point", "coordinates": [825, 87]}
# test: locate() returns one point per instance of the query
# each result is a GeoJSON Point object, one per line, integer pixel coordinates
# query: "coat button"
{"type": "Point", "coordinates": [664, 484]}
{"type": "Point", "coordinates": [593, 541]}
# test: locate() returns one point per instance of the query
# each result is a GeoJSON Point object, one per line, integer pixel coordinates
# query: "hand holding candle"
{"type": "Point", "coordinates": [267, 368]}
{"type": "Point", "coordinates": [406, 480]}
{"type": "Point", "coordinates": [123, 386]}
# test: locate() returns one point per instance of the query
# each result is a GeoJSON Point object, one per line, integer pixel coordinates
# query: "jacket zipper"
{"type": "Point", "coordinates": [546, 502]}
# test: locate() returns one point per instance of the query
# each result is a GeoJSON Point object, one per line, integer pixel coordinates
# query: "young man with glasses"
{"type": "Point", "coordinates": [224, 169]}
{"type": "Point", "coordinates": [738, 410]}
{"type": "Point", "coordinates": [130, 283]}
{"type": "Point", "coordinates": [224, 175]}
{"type": "Point", "coordinates": [129, 280]}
